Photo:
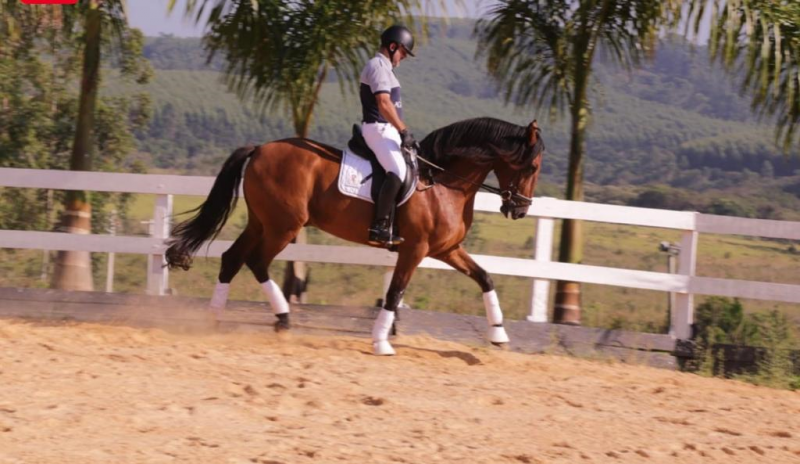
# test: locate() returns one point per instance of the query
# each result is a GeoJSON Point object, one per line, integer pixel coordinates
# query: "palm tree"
{"type": "Point", "coordinates": [90, 21]}
{"type": "Point", "coordinates": [541, 53]}
{"type": "Point", "coordinates": [761, 40]}
{"type": "Point", "coordinates": [279, 53]}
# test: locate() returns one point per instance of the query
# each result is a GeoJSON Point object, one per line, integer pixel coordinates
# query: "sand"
{"type": "Point", "coordinates": [83, 393]}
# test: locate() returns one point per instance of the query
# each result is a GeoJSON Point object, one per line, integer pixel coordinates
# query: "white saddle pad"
{"type": "Point", "coordinates": [355, 178]}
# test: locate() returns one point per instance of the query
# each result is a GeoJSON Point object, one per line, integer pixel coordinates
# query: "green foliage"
{"type": "Point", "coordinates": [39, 67]}
{"type": "Point", "coordinates": [664, 197]}
{"type": "Point", "coordinates": [763, 37]}
{"type": "Point", "coordinates": [720, 320]}
{"type": "Point", "coordinates": [542, 51]}
{"type": "Point", "coordinates": [777, 369]}
{"type": "Point", "coordinates": [723, 321]}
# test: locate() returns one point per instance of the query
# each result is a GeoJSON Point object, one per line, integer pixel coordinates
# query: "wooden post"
{"type": "Point", "coordinates": [540, 293]}
{"type": "Point", "coordinates": [157, 273]}
{"type": "Point", "coordinates": [683, 313]}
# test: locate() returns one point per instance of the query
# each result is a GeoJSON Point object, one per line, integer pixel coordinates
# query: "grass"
{"type": "Point", "coordinates": [732, 257]}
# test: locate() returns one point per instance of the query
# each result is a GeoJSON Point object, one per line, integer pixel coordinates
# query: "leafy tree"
{"type": "Point", "coordinates": [541, 52]}
{"type": "Point", "coordinates": [760, 38]}
{"type": "Point", "coordinates": [90, 22]}
{"type": "Point", "coordinates": [42, 49]}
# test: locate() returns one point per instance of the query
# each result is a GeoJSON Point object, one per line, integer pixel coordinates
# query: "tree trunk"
{"type": "Point", "coordinates": [73, 269]}
{"type": "Point", "coordinates": [567, 308]}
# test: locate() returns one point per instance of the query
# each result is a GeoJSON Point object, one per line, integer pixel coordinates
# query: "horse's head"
{"type": "Point", "coordinates": [517, 172]}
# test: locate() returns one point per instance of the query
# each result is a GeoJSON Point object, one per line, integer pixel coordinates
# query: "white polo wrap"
{"type": "Point", "coordinates": [275, 296]}
{"type": "Point", "coordinates": [383, 324]}
{"type": "Point", "coordinates": [493, 312]}
{"type": "Point", "coordinates": [220, 297]}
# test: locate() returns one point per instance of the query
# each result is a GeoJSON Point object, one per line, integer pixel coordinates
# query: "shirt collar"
{"type": "Point", "coordinates": [383, 57]}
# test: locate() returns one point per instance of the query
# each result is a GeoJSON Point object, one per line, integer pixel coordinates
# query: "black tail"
{"type": "Point", "coordinates": [189, 235]}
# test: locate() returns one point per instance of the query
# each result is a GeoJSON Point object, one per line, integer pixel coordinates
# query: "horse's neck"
{"type": "Point", "coordinates": [469, 178]}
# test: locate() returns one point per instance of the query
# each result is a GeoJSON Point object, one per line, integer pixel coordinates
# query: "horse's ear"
{"type": "Point", "coordinates": [533, 132]}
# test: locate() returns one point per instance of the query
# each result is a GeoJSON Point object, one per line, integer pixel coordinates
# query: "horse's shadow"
{"type": "Point", "coordinates": [468, 358]}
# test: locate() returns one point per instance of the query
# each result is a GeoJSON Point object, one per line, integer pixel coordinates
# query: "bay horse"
{"type": "Point", "coordinates": [292, 183]}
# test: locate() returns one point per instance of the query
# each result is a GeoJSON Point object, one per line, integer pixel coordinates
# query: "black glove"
{"type": "Point", "coordinates": [407, 140]}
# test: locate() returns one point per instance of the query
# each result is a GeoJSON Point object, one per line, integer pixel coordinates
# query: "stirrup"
{"type": "Point", "coordinates": [383, 238]}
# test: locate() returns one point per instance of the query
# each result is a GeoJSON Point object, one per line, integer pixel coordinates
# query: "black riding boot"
{"type": "Point", "coordinates": [380, 233]}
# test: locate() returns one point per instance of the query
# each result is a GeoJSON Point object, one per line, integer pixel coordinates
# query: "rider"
{"type": "Point", "coordinates": [383, 127]}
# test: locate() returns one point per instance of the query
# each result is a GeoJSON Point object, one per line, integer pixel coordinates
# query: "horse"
{"type": "Point", "coordinates": [292, 183]}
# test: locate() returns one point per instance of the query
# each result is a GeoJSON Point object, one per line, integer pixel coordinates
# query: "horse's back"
{"type": "Point", "coordinates": [291, 168]}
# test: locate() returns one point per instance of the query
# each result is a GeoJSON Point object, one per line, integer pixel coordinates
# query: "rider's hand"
{"type": "Point", "coordinates": [407, 140]}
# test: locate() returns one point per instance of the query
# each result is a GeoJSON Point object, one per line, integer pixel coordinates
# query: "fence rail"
{"type": "Point", "coordinates": [685, 284]}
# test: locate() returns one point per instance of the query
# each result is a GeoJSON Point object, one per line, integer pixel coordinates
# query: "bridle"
{"type": "Point", "coordinates": [510, 194]}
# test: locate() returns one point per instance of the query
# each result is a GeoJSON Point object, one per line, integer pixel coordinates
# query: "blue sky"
{"type": "Point", "coordinates": [151, 16]}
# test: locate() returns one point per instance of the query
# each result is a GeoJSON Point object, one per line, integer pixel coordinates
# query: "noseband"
{"type": "Point", "coordinates": [511, 195]}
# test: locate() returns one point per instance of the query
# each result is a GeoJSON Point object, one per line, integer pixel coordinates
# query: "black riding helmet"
{"type": "Point", "coordinates": [400, 35]}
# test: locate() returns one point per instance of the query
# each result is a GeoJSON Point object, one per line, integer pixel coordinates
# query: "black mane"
{"type": "Point", "coordinates": [479, 139]}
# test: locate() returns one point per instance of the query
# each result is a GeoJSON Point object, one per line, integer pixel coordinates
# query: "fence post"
{"type": "Point", "coordinates": [543, 253]}
{"type": "Point", "coordinates": [157, 274]}
{"type": "Point", "coordinates": [683, 313]}
{"type": "Point", "coordinates": [112, 230]}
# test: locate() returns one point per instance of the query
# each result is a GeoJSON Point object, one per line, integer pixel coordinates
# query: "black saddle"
{"type": "Point", "coordinates": [359, 146]}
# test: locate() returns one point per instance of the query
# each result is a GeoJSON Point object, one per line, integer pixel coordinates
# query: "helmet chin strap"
{"type": "Point", "coordinates": [392, 52]}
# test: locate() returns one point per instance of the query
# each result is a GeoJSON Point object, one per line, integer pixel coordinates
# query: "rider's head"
{"type": "Point", "coordinates": [398, 42]}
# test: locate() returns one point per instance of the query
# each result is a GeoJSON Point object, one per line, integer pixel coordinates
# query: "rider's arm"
{"type": "Point", "coordinates": [388, 111]}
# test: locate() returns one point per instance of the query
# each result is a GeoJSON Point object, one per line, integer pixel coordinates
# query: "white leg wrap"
{"type": "Point", "coordinates": [493, 312]}
{"type": "Point", "coordinates": [275, 296]}
{"type": "Point", "coordinates": [380, 333]}
{"type": "Point", "coordinates": [219, 298]}
{"type": "Point", "coordinates": [497, 333]}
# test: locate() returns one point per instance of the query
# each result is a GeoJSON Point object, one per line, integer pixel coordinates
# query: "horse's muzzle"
{"type": "Point", "coordinates": [512, 210]}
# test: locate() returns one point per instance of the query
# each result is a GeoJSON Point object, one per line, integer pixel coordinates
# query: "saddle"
{"type": "Point", "coordinates": [358, 147]}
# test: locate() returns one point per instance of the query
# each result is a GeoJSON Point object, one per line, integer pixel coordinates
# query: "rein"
{"type": "Point", "coordinates": [505, 195]}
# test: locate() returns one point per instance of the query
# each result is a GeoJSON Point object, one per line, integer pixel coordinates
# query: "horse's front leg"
{"type": "Point", "coordinates": [407, 261]}
{"type": "Point", "coordinates": [460, 260]}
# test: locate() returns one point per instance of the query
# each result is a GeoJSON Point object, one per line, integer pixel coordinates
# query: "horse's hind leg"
{"type": "Point", "coordinates": [460, 260]}
{"type": "Point", "coordinates": [232, 260]}
{"type": "Point", "coordinates": [267, 249]}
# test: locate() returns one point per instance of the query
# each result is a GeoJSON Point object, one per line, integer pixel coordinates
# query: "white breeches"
{"type": "Point", "coordinates": [384, 140]}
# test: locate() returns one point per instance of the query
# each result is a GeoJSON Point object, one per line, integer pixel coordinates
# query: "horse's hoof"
{"type": "Point", "coordinates": [282, 324]}
{"type": "Point", "coordinates": [212, 318]}
{"type": "Point", "coordinates": [498, 335]}
{"type": "Point", "coordinates": [382, 348]}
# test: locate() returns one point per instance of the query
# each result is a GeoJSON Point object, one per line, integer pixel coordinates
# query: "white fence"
{"type": "Point", "coordinates": [685, 284]}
